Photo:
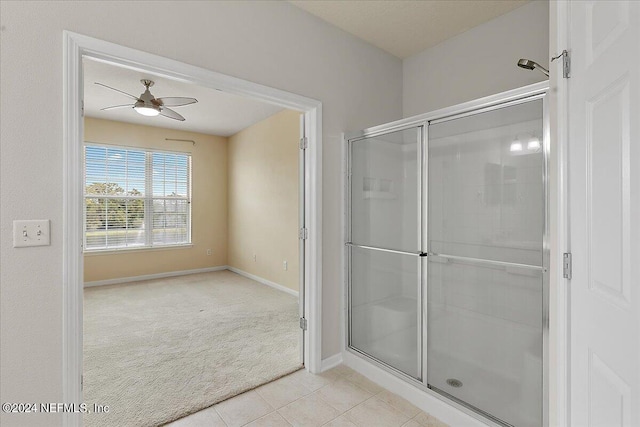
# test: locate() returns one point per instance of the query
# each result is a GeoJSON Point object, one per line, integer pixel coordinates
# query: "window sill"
{"type": "Point", "coordinates": [96, 252]}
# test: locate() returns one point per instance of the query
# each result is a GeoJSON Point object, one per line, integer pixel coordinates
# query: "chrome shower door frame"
{"type": "Point", "coordinates": [502, 100]}
{"type": "Point", "coordinates": [348, 243]}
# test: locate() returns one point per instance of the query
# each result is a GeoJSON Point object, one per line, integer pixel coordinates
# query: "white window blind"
{"type": "Point", "coordinates": [136, 198]}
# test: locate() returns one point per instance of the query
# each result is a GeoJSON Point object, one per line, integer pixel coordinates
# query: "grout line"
{"type": "Point", "coordinates": [337, 377]}
{"type": "Point", "coordinates": [302, 383]}
{"type": "Point", "coordinates": [219, 415]}
{"type": "Point", "coordinates": [260, 394]}
{"type": "Point", "coordinates": [330, 405]}
{"type": "Point", "coordinates": [301, 397]}
{"type": "Point", "coordinates": [306, 395]}
{"type": "Point", "coordinates": [359, 404]}
{"type": "Point", "coordinates": [262, 416]}
{"type": "Point", "coordinates": [285, 420]}
{"type": "Point", "coordinates": [282, 415]}
{"type": "Point", "coordinates": [333, 419]}
{"type": "Point", "coordinates": [344, 377]}
{"type": "Point", "coordinates": [357, 386]}
{"type": "Point", "coordinates": [362, 388]}
{"type": "Point", "coordinates": [349, 419]}
{"type": "Point", "coordinates": [417, 415]}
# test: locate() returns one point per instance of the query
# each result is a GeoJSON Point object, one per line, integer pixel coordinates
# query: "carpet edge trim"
{"type": "Point", "coordinates": [276, 378]}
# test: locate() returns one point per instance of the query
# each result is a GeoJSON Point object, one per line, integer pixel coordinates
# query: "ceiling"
{"type": "Point", "coordinates": [404, 28]}
{"type": "Point", "coordinates": [215, 113]}
{"type": "Point", "coordinates": [400, 27]}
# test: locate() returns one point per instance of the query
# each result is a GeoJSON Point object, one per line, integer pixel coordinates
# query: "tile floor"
{"type": "Point", "coordinates": [339, 397]}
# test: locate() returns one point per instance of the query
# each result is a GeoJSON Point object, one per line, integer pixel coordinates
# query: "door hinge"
{"type": "Point", "coordinates": [81, 382]}
{"type": "Point", "coordinates": [566, 265]}
{"type": "Point", "coordinates": [303, 234]}
{"type": "Point", "coordinates": [303, 323]}
{"type": "Point", "coordinates": [304, 142]}
{"type": "Point", "coordinates": [566, 63]}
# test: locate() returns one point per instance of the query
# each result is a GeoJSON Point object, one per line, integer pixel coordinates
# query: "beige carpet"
{"type": "Point", "coordinates": [158, 350]}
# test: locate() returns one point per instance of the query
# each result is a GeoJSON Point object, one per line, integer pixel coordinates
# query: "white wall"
{"type": "Point", "coordinates": [271, 43]}
{"type": "Point", "coordinates": [479, 62]}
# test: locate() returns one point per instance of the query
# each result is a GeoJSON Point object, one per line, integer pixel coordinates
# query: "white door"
{"type": "Point", "coordinates": [604, 209]}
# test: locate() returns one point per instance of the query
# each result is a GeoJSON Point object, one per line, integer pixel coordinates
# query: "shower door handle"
{"type": "Point", "coordinates": [487, 261]}
{"type": "Point", "coordinates": [392, 251]}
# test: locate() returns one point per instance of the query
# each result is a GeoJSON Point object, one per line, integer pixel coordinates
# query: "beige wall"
{"type": "Point", "coordinates": [208, 207]}
{"type": "Point", "coordinates": [263, 199]}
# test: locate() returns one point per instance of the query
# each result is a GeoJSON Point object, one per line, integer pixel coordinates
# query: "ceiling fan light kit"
{"type": "Point", "coordinates": [145, 105]}
{"type": "Point", "coordinates": [146, 110]}
{"type": "Point", "coordinates": [148, 105]}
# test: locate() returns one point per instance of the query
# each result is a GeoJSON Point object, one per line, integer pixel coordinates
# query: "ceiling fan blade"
{"type": "Point", "coordinates": [117, 90]}
{"type": "Point", "coordinates": [168, 112]}
{"type": "Point", "coordinates": [177, 101]}
{"type": "Point", "coordinates": [116, 106]}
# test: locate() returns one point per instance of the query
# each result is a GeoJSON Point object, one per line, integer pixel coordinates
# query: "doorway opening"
{"type": "Point", "coordinates": [80, 48]}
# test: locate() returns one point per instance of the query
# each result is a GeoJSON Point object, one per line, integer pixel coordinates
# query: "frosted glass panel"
{"type": "Point", "coordinates": [384, 191]}
{"type": "Point", "coordinates": [485, 337]}
{"type": "Point", "coordinates": [486, 187]}
{"type": "Point", "coordinates": [385, 306]}
{"type": "Point", "coordinates": [486, 219]}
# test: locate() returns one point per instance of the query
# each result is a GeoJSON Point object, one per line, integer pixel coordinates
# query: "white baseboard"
{"type": "Point", "coordinates": [185, 272]}
{"type": "Point", "coordinates": [153, 276]}
{"type": "Point", "coordinates": [263, 281]}
{"type": "Point", "coordinates": [446, 412]}
{"type": "Point", "coordinates": [330, 362]}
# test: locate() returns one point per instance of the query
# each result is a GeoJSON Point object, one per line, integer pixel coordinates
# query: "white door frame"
{"type": "Point", "coordinates": [77, 46]}
{"type": "Point", "coordinates": [559, 327]}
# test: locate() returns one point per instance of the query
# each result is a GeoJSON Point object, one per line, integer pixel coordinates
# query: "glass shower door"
{"type": "Point", "coordinates": [384, 284]}
{"type": "Point", "coordinates": [486, 221]}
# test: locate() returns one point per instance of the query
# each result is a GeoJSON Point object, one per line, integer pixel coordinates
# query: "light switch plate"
{"type": "Point", "coordinates": [33, 232]}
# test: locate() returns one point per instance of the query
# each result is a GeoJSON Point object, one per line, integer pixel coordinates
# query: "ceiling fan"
{"type": "Point", "coordinates": [148, 105]}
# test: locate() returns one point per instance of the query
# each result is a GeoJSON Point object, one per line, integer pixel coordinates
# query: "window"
{"type": "Point", "coordinates": [136, 198]}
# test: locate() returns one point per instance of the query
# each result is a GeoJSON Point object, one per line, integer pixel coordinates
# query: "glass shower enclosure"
{"type": "Point", "coordinates": [385, 262]}
{"type": "Point", "coordinates": [447, 258]}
